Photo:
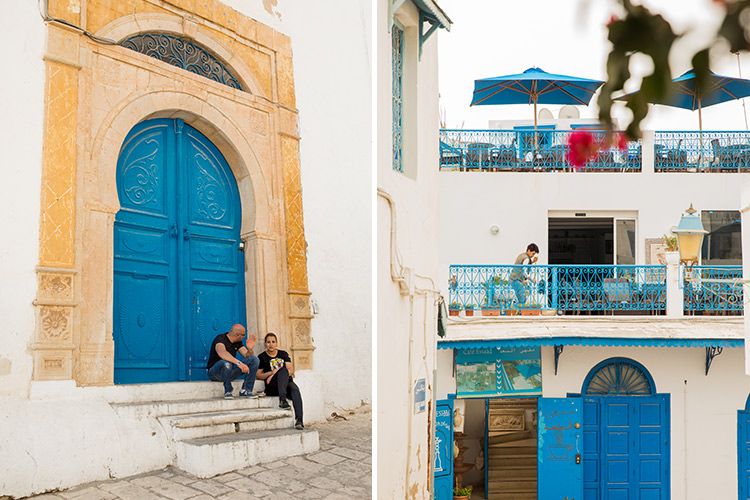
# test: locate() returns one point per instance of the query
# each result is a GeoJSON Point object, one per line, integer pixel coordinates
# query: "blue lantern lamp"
{"type": "Point", "coordinates": [690, 235]}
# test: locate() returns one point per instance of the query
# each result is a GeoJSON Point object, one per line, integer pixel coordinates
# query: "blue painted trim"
{"type": "Point", "coordinates": [611, 361]}
{"type": "Point", "coordinates": [747, 403]}
{"type": "Point", "coordinates": [742, 421]}
{"type": "Point", "coordinates": [590, 342]}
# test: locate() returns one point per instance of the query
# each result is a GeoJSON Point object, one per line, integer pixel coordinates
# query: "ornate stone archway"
{"type": "Point", "coordinates": [94, 95]}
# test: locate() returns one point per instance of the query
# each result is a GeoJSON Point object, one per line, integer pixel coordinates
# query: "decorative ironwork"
{"type": "Point", "coordinates": [712, 289]}
{"type": "Point", "coordinates": [183, 54]}
{"type": "Point", "coordinates": [711, 353]}
{"type": "Point", "coordinates": [618, 377]}
{"type": "Point", "coordinates": [397, 64]}
{"type": "Point", "coordinates": [702, 151]}
{"type": "Point", "coordinates": [563, 288]}
{"type": "Point", "coordinates": [528, 151]}
{"type": "Point", "coordinates": [558, 350]}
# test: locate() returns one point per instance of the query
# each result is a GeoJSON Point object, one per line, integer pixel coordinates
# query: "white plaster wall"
{"type": "Point", "coordinates": [703, 409]}
{"type": "Point", "coordinates": [331, 44]}
{"type": "Point", "coordinates": [406, 317]}
{"type": "Point", "coordinates": [520, 204]}
{"type": "Point", "coordinates": [22, 34]}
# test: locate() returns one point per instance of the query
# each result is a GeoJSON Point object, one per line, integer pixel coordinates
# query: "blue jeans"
{"type": "Point", "coordinates": [224, 371]}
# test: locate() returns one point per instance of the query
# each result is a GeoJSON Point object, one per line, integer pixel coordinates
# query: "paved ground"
{"type": "Point", "coordinates": [341, 470]}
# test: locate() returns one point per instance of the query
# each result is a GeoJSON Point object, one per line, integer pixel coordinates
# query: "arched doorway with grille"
{"type": "Point", "coordinates": [178, 275]}
{"type": "Point", "coordinates": [626, 433]}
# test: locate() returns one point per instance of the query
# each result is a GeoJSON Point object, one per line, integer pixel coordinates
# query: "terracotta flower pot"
{"type": "Point", "coordinates": [530, 312]}
{"type": "Point", "coordinates": [452, 312]}
{"type": "Point", "coordinates": [490, 312]}
{"type": "Point", "coordinates": [469, 312]}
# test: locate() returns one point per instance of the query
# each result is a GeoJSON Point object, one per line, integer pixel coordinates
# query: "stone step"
{"type": "Point", "coordinates": [151, 409]}
{"type": "Point", "coordinates": [167, 391]}
{"type": "Point", "coordinates": [216, 423]}
{"type": "Point", "coordinates": [209, 456]}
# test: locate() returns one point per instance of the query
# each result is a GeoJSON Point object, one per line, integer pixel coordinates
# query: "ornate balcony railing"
{"type": "Point", "coordinates": [710, 290]}
{"type": "Point", "coordinates": [560, 289]}
{"type": "Point", "coordinates": [702, 151]}
{"type": "Point", "coordinates": [528, 151]}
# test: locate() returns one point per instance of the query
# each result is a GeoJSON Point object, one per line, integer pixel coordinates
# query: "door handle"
{"type": "Point", "coordinates": [185, 234]}
{"type": "Point", "coordinates": [173, 230]}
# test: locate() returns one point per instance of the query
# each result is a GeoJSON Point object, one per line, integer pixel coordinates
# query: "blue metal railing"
{"type": "Point", "coordinates": [558, 288]}
{"type": "Point", "coordinates": [702, 151]}
{"type": "Point", "coordinates": [528, 150]}
{"type": "Point", "coordinates": [711, 289]}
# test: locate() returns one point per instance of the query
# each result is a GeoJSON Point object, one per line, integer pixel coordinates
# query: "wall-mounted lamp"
{"type": "Point", "coordinates": [690, 235]}
{"type": "Point", "coordinates": [494, 230]}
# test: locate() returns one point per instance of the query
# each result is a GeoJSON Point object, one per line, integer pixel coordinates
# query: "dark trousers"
{"type": "Point", "coordinates": [282, 385]}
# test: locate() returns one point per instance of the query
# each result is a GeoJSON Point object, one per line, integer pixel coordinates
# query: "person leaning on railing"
{"type": "Point", "coordinates": [519, 277]}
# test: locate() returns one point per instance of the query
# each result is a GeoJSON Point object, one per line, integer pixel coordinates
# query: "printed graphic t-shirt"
{"type": "Point", "coordinates": [267, 363]}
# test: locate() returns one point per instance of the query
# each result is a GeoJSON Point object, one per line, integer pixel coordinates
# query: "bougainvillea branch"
{"type": "Point", "coordinates": [641, 31]}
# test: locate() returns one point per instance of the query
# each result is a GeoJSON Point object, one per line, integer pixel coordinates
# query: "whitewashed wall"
{"type": "Point", "coordinates": [703, 409]}
{"type": "Point", "coordinates": [406, 317]}
{"type": "Point", "coordinates": [22, 87]}
{"type": "Point", "coordinates": [331, 44]}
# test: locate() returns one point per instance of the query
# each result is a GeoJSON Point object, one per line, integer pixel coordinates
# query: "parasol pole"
{"type": "Point", "coordinates": [739, 71]}
{"type": "Point", "coordinates": [536, 140]}
{"type": "Point", "coordinates": [700, 126]}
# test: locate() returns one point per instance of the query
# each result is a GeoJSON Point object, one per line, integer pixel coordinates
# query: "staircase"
{"type": "Point", "coordinates": [512, 454]}
{"type": "Point", "coordinates": [208, 435]}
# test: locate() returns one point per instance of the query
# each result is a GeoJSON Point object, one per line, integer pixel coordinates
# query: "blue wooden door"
{"type": "Point", "coordinates": [178, 277]}
{"type": "Point", "coordinates": [743, 454]}
{"type": "Point", "coordinates": [591, 448]}
{"type": "Point", "coordinates": [560, 447]}
{"type": "Point", "coordinates": [634, 447]}
{"type": "Point", "coordinates": [444, 450]}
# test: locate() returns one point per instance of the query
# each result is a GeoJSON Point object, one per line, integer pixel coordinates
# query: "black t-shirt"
{"type": "Point", "coordinates": [232, 348]}
{"type": "Point", "coordinates": [267, 363]}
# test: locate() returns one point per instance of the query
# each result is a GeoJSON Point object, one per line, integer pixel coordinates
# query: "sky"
{"type": "Point", "coordinates": [499, 37]}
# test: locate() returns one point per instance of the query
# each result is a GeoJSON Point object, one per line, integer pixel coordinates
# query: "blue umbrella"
{"type": "Point", "coordinates": [718, 89]}
{"type": "Point", "coordinates": [534, 86]}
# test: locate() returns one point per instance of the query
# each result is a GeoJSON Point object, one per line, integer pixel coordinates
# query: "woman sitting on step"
{"type": "Point", "coordinates": [276, 370]}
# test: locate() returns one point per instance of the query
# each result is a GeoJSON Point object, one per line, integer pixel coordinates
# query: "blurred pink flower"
{"type": "Point", "coordinates": [581, 148]}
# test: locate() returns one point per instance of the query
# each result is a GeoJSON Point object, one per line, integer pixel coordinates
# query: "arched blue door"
{"type": "Point", "coordinates": [625, 433]}
{"type": "Point", "coordinates": [178, 275]}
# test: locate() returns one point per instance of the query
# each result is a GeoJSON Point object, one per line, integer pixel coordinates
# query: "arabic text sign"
{"type": "Point", "coordinates": [494, 371]}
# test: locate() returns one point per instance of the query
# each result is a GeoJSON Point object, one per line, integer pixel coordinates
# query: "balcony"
{"type": "Point", "coordinates": [508, 290]}
{"type": "Point", "coordinates": [545, 151]}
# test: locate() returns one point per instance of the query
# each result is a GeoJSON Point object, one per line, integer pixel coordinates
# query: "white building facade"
{"type": "Point", "coordinates": [579, 386]}
{"type": "Point", "coordinates": [407, 235]}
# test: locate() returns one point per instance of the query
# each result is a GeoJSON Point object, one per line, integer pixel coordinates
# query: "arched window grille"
{"type": "Point", "coordinates": [183, 54]}
{"type": "Point", "coordinates": [619, 377]}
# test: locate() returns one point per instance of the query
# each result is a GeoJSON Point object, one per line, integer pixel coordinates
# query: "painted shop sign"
{"type": "Point", "coordinates": [496, 371]}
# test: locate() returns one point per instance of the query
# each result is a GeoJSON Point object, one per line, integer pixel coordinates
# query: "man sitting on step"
{"type": "Point", "coordinates": [223, 366]}
{"type": "Point", "coordinates": [277, 370]}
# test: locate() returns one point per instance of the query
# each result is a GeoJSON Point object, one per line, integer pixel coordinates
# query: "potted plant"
{"type": "Point", "coordinates": [489, 309]}
{"type": "Point", "coordinates": [670, 243]}
{"type": "Point", "coordinates": [469, 309]}
{"type": "Point", "coordinates": [454, 308]}
{"type": "Point", "coordinates": [462, 493]}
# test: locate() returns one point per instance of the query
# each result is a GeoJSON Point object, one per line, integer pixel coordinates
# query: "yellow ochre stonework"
{"type": "Point", "coordinates": [59, 168]}
{"type": "Point", "coordinates": [95, 93]}
{"type": "Point", "coordinates": [295, 231]}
